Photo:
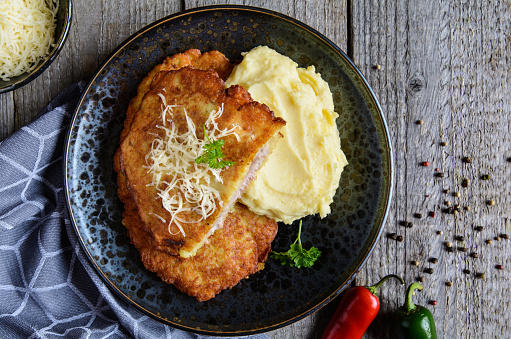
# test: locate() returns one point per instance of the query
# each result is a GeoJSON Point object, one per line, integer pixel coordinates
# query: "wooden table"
{"type": "Point", "coordinates": [444, 63]}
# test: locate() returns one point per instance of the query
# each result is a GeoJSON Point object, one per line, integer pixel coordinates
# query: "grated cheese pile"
{"type": "Point", "coordinates": [182, 184]}
{"type": "Point", "coordinates": [27, 28]}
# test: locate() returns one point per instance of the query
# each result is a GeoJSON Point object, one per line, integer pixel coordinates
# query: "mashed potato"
{"type": "Point", "coordinates": [302, 174]}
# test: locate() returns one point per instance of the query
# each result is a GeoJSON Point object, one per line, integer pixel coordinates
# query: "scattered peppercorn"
{"type": "Point", "coordinates": [459, 238]}
{"type": "Point", "coordinates": [433, 260]}
{"type": "Point", "coordinates": [427, 195]}
{"type": "Point", "coordinates": [377, 66]}
{"type": "Point", "coordinates": [433, 302]}
{"type": "Point", "coordinates": [450, 249]}
{"type": "Point", "coordinates": [425, 163]}
{"type": "Point", "coordinates": [457, 194]}
{"type": "Point", "coordinates": [509, 159]}
{"type": "Point", "coordinates": [428, 270]}
{"type": "Point", "coordinates": [465, 182]}
{"type": "Point", "coordinates": [409, 225]}
{"type": "Point", "coordinates": [490, 202]}
{"type": "Point", "coordinates": [489, 241]}
{"type": "Point", "coordinates": [419, 122]}
{"type": "Point", "coordinates": [448, 244]}
{"type": "Point", "coordinates": [420, 279]}
{"type": "Point", "coordinates": [439, 232]}
{"type": "Point", "coordinates": [448, 283]}
{"type": "Point", "coordinates": [446, 191]}
{"type": "Point", "coordinates": [504, 236]}
{"type": "Point", "coordinates": [447, 203]}
{"type": "Point", "coordinates": [455, 212]}
{"type": "Point", "coordinates": [415, 263]}
{"type": "Point", "coordinates": [499, 267]}
{"type": "Point", "coordinates": [462, 249]}
{"type": "Point", "coordinates": [436, 169]}
{"type": "Point", "coordinates": [481, 276]}
{"type": "Point", "coordinates": [432, 214]}
{"type": "Point", "coordinates": [417, 215]}
{"type": "Point", "coordinates": [497, 238]}
{"type": "Point", "coordinates": [400, 238]}
{"type": "Point", "coordinates": [467, 208]}
{"type": "Point", "coordinates": [474, 255]}
{"type": "Point", "coordinates": [467, 160]}
{"type": "Point", "coordinates": [443, 143]}
{"type": "Point", "coordinates": [392, 236]}
{"type": "Point", "coordinates": [466, 271]}
{"type": "Point", "coordinates": [439, 175]}
{"type": "Point", "coordinates": [478, 228]}
{"type": "Point", "coordinates": [486, 177]}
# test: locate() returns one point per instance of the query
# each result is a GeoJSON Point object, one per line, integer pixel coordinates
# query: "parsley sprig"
{"type": "Point", "coordinates": [297, 256]}
{"type": "Point", "coordinates": [212, 154]}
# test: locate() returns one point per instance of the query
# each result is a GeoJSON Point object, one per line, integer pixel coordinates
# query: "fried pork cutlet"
{"type": "Point", "coordinates": [213, 60]}
{"type": "Point", "coordinates": [235, 251]}
{"type": "Point", "coordinates": [194, 94]}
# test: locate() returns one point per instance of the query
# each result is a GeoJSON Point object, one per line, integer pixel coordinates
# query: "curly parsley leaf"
{"type": "Point", "coordinates": [213, 154]}
{"type": "Point", "coordinates": [297, 256]}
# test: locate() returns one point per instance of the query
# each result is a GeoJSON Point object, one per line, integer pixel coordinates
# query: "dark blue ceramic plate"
{"type": "Point", "coordinates": [278, 295]}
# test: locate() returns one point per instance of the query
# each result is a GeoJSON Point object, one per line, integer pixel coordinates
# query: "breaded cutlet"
{"type": "Point", "coordinates": [239, 249]}
{"type": "Point", "coordinates": [195, 94]}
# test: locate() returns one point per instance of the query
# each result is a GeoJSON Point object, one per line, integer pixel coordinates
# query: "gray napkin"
{"type": "Point", "coordinates": [48, 288]}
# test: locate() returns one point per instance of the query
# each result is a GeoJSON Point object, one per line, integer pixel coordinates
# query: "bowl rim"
{"type": "Point", "coordinates": [49, 58]}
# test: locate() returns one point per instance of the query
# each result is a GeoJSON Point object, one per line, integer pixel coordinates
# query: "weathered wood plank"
{"type": "Point", "coordinates": [443, 64]}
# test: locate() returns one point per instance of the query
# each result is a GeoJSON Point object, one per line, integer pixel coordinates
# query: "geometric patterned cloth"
{"type": "Point", "coordinates": [48, 288]}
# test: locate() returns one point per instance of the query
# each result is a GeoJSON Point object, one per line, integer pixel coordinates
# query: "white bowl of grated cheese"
{"type": "Point", "coordinates": [32, 33]}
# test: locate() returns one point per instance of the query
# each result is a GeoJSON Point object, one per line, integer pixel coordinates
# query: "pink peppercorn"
{"type": "Point", "coordinates": [425, 163]}
{"type": "Point", "coordinates": [433, 302]}
{"type": "Point", "coordinates": [499, 267]}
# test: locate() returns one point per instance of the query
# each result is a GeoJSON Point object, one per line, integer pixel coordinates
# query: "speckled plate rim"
{"type": "Point", "coordinates": [49, 58]}
{"type": "Point", "coordinates": [377, 229]}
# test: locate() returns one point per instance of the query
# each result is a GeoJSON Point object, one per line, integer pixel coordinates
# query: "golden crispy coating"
{"type": "Point", "coordinates": [237, 250]}
{"type": "Point", "coordinates": [199, 93]}
{"type": "Point", "coordinates": [213, 60]}
{"type": "Point", "coordinates": [234, 252]}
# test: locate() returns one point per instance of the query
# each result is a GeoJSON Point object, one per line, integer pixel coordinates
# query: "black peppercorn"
{"type": "Point", "coordinates": [392, 236]}
{"type": "Point", "coordinates": [481, 276]}
{"type": "Point", "coordinates": [428, 270]}
{"type": "Point", "coordinates": [478, 228]}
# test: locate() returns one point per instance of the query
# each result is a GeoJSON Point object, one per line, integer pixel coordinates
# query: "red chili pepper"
{"type": "Point", "coordinates": [356, 311]}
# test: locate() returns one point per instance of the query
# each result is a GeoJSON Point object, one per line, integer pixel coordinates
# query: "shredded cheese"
{"type": "Point", "coordinates": [27, 28]}
{"type": "Point", "coordinates": [181, 183]}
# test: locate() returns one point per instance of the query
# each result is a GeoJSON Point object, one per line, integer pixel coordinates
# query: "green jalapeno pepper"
{"type": "Point", "coordinates": [414, 321]}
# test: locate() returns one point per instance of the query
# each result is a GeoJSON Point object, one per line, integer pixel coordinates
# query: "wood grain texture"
{"type": "Point", "coordinates": [443, 63]}
{"type": "Point", "coordinates": [446, 63]}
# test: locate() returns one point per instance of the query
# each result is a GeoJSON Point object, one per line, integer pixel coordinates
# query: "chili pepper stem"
{"type": "Point", "coordinates": [409, 305]}
{"type": "Point", "coordinates": [374, 289]}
